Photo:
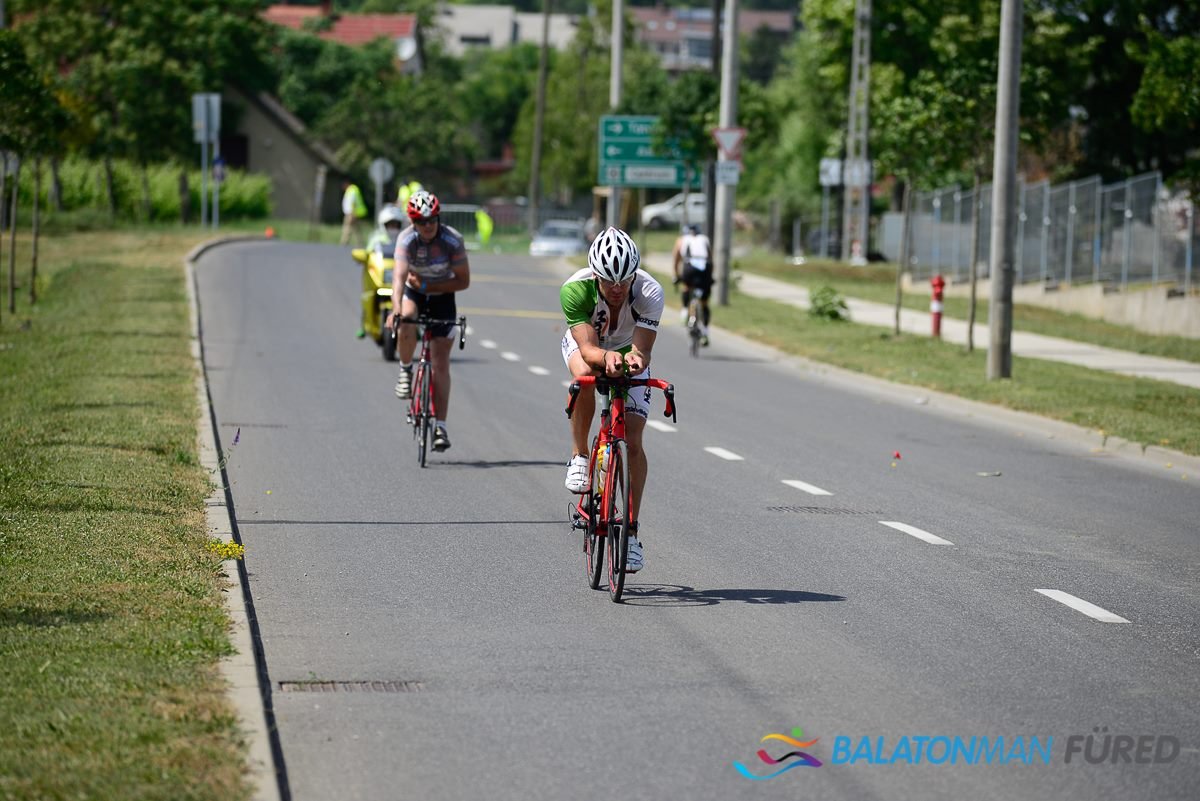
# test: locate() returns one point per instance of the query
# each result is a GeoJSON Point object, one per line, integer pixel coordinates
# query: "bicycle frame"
{"type": "Point", "coordinates": [422, 408]}
{"type": "Point", "coordinates": [597, 511]}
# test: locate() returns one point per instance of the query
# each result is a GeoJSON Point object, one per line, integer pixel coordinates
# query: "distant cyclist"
{"type": "Point", "coordinates": [692, 261]}
{"type": "Point", "coordinates": [431, 265]}
{"type": "Point", "coordinates": [612, 310]}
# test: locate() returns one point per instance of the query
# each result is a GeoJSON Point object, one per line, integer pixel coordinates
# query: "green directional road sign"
{"type": "Point", "coordinates": [627, 156]}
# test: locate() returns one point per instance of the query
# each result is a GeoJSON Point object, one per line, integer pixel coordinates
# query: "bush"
{"type": "Point", "coordinates": [826, 303]}
{"type": "Point", "coordinates": [243, 195]}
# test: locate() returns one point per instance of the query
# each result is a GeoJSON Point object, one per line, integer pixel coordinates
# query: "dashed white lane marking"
{"type": "Point", "coordinates": [659, 425]}
{"type": "Point", "coordinates": [806, 487]}
{"type": "Point", "coordinates": [509, 356]}
{"type": "Point", "coordinates": [1080, 605]}
{"type": "Point", "coordinates": [568, 384]}
{"type": "Point", "coordinates": [729, 456]}
{"type": "Point", "coordinates": [487, 343]}
{"type": "Point", "coordinates": [470, 331]}
{"type": "Point", "coordinates": [533, 368]}
{"type": "Point", "coordinates": [932, 539]}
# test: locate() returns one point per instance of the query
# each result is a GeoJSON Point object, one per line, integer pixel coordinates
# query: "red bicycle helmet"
{"type": "Point", "coordinates": [422, 205]}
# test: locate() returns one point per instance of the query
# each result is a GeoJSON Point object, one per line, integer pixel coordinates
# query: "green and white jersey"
{"type": "Point", "coordinates": [582, 303]}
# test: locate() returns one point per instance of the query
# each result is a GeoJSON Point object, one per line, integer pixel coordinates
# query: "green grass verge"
{"type": "Point", "coordinates": [877, 282]}
{"type": "Point", "coordinates": [111, 613]}
{"type": "Point", "coordinates": [1139, 410]}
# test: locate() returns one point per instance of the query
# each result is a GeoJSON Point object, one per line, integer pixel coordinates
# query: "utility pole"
{"type": "Point", "coordinates": [614, 94]}
{"type": "Point", "coordinates": [709, 183]}
{"type": "Point", "coordinates": [539, 117]}
{"type": "Point", "coordinates": [856, 209]}
{"type": "Point", "coordinates": [1004, 189]}
{"type": "Point", "coordinates": [723, 224]}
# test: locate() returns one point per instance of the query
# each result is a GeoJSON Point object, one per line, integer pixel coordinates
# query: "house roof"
{"type": "Point", "coordinates": [347, 29]}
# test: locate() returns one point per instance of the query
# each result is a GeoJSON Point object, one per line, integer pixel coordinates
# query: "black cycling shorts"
{"type": "Point", "coordinates": [691, 277]}
{"type": "Point", "coordinates": [440, 307]}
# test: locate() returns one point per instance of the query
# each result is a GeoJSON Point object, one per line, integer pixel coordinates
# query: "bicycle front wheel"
{"type": "Point", "coordinates": [593, 541]}
{"type": "Point", "coordinates": [616, 513]}
{"type": "Point", "coordinates": [424, 403]}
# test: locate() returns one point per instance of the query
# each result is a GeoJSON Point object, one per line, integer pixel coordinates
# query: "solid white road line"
{"type": "Point", "coordinates": [809, 488]}
{"type": "Point", "coordinates": [487, 343]}
{"type": "Point", "coordinates": [533, 368]}
{"type": "Point", "coordinates": [1080, 605]}
{"type": "Point", "coordinates": [509, 356]}
{"type": "Point", "coordinates": [932, 539]}
{"type": "Point", "coordinates": [724, 454]}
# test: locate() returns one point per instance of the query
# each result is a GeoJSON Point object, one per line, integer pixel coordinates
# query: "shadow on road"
{"type": "Point", "coordinates": [679, 595]}
{"type": "Point", "coordinates": [500, 463]}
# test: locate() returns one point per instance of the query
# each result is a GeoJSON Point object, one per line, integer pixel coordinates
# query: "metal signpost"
{"type": "Point", "coordinates": [206, 127]}
{"type": "Point", "coordinates": [381, 171]}
{"type": "Point", "coordinates": [627, 156]}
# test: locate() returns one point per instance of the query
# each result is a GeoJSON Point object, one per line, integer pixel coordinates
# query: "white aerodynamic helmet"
{"type": "Point", "coordinates": [391, 213]}
{"type": "Point", "coordinates": [614, 256]}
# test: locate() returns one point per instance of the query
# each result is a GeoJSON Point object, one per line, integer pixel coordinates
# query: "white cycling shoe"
{"type": "Point", "coordinates": [635, 559]}
{"type": "Point", "coordinates": [577, 474]}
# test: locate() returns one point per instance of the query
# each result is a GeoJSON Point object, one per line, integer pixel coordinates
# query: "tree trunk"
{"type": "Point", "coordinates": [974, 256]}
{"type": "Point", "coordinates": [110, 188]}
{"type": "Point", "coordinates": [37, 202]}
{"type": "Point", "coordinates": [56, 202]}
{"type": "Point", "coordinates": [3, 206]}
{"type": "Point", "coordinates": [905, 228]}
{"type": "Point", "coordinates": [12, 244]}
{"type": "Point", "coordinates": [185, 197]}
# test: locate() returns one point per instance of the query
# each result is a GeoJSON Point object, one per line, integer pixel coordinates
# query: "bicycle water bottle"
{"type": "Point", "coordinates": [602, 463]}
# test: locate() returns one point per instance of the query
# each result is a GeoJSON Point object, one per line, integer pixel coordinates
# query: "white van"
{"type": "Point", "coordinates": [669, 213]}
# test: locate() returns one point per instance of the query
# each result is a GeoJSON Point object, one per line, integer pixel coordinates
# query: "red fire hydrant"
{"type": "Point", "coordinates": [935, 304]}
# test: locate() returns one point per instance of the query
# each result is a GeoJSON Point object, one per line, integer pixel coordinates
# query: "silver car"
{"type": "Point", "coordinates": [559, 238]}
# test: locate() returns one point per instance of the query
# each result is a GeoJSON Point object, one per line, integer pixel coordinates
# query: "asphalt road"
{"type": "Point", "coordinates": [763, 608]}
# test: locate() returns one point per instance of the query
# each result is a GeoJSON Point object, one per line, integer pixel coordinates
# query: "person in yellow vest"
{"type": "Point", "coordinates": [354, 208]}
{"type": "Point", "coordinates": [484, 224]}
{"type": "Point", "coordinates": [406, 191]}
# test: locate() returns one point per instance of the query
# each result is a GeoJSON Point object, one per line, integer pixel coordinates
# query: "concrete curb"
{"type": "Point", "coordinates": [242, 671]}
{"type": "Point", "coordinates": [209, 244]}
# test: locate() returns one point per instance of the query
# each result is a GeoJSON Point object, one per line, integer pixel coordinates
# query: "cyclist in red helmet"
{"type": "Point", "coordinates": [430, 266]}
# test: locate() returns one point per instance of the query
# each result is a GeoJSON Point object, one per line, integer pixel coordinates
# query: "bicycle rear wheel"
{"type": "Point", "coordinates": [616, 513]}
{"type": "Point", "coordinates": [593, 542]}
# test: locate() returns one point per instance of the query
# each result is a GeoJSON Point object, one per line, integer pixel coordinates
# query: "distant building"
{"type": "Point", "coordinates": [269, 140]}
{"type": "Point", "coordinates": [463, 27]}
{"type": "Point", "coordinates": [682, 37]}
{"type": "Point", "coordinates": [355, 29]}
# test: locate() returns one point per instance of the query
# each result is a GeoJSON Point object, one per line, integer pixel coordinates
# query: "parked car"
{"type": "Point", "coordinates": [669, 213]}
{"type": "Point", "coordinates": [559, 238]}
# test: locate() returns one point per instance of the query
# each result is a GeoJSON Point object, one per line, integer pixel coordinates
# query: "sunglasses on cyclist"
{"type": "Point", "coordinates": [424, 220]}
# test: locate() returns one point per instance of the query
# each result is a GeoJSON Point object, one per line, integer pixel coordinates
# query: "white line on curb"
{"type": "Point", "coordinates": [533, 368]}
{"type": "Point", "coordinates": [509, 356]}
{"type": "Point", "coordinates": [932, 539]}
{"type": "Point", "coordinates": [487, 343]}
{"type": "Point", "coordinates": [809, 488]}
{"type": "Point", "coordinates": [659, 425]}
{"type": "Point", "coordinates": [1080, 605]}
{"type": "Point", "coordinates": [729, 456]}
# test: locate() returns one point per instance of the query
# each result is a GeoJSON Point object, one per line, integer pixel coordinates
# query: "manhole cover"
{"type": "Point", "coordinates": [350, 686]}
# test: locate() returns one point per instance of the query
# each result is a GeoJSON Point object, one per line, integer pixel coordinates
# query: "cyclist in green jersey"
{"type": "Point", "coordinates": [612, 310]}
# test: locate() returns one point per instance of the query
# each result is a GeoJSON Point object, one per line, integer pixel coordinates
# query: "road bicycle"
{"type": "Point", "coordinates": [422, 412]}
{"type": "Point", "coordinates": [601, 511]}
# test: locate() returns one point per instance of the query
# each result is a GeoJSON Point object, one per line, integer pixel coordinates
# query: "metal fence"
{"type": "Point", "coordinates": [1135, 231]}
